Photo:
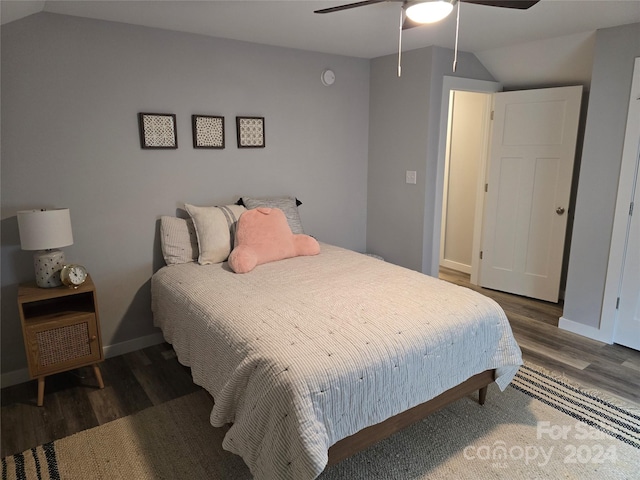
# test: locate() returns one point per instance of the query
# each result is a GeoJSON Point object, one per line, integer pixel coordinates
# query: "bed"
{"type": "Point", "coordinates": [312, 358]}
{"type": "Point", "coordinates": [302, 354]}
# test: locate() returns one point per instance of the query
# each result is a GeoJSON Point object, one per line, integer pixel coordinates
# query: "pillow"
{"type": "Point", "coordinates": [263, 235]}
{"type": "Point", "coordinates": [289, 205]}
{"type": "Point", "coordinates": [178, 240]}
{"type": "Point", "coordinates": [215, 229]}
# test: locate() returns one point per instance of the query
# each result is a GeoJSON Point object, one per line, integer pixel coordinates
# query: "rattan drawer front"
{"type": "Point", "coordinates": [61, 343]}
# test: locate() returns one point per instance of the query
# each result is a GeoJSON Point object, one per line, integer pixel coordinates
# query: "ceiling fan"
{"type": "Point", "coordinates": [417, 13]}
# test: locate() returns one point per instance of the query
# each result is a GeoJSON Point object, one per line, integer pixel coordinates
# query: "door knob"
{"type": "Point", "coordinates": [560, 210]}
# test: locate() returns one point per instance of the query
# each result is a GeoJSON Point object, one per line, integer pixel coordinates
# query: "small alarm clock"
{"type": "Point", "coordinates": [73, 275]}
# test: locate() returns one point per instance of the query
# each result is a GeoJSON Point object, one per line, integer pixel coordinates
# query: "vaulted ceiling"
{"type": "Point", "coordinates": [367, 32]}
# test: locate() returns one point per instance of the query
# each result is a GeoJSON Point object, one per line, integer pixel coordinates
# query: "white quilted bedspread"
{"type": "Point", "coordinates": [303, 352]}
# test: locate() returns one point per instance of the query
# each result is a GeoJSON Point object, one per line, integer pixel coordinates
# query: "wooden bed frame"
{"type": "Point", "coordinates": [373, 434]}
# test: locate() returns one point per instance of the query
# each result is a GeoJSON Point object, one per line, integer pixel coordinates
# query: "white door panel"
{"type": "Point", "coordinates": [546, 179]}
{"type": "Point", "coordinates": [529, 183]}
{"type": "Point", "coordinates": [508, 207]}
{"type": "Point", "coordinates": [620, 316]}
{"type": "Point", "coordinates": [628, 323]}
{"type": "Point", "coordinates": [627, 328]}
{"type": "Point", "coordinates": [522, 127]}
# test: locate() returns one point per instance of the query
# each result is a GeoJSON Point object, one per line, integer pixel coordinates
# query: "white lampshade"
{"type": "Point", "coordinates": [430, 11]}
{"type": "Point", "coordinates": [45, 229]}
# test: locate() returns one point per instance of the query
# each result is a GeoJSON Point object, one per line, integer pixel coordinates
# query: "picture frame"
{"type": "Point", "coordinates": [208, 131]}
{"type": "Point", "coordinates": [250, 132]}
{"type": "Point", "coordinates": [157, 130]}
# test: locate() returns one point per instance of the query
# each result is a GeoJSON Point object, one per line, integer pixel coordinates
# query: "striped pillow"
{"type": "Point", "coordinates": [289, 205]}
{"type": "Point", "coordinates": [215, 229]}
{"type": "Point", "coordinates": [178, 240]}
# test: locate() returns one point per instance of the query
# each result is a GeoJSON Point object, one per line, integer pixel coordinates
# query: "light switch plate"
{"type": "Point", "coordinates": [411, 176]}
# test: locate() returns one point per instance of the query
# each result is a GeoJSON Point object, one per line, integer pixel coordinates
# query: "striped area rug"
{"type": "Point", "coordinates": [587, 406]}
{"type": "Point", "coordinates": [38, 463]}
{"type": "Point", "coordinates": [542, 426]}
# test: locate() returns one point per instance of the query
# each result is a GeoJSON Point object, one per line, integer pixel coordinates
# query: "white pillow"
{"type": "Point", "coordinates": [215, 229]}
{"type": "Point", "coordinates": [178, 240]}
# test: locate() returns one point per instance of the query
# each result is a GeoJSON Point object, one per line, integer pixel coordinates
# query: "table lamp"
{"type": "Point", "coordinates": [46, 231]}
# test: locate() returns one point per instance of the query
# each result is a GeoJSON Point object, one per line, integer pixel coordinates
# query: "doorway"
{"type": "Point", "coordinates": [519, 223]}
{"type": "Point", "coordinates": [450, 85]}
{"type": "Point", "coordinates": [470, 101]}
{"type": "Point", "coordinates": [465, 160]}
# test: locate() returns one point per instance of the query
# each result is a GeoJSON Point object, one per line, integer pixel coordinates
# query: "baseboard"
{"type": "Point", "coordinates": [584, 330]}
{"type": "Point", "coordinates": [22, 375]}
{"type": "Point", "coordinates": [132, 345]}
{"type": "Point", "coordinates": [458, 267]}
{"type": "Point", "coordinates": [14, 378]}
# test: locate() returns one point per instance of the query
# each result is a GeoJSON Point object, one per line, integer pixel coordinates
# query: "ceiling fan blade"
{"type": "Point", "coordinates": [348, 6]}
{"type": "Point", "coordinates": [518, 4]}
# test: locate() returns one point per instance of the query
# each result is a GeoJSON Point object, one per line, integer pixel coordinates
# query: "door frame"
{"type": "Point", "coordinates": [476, 240]}
{"type": "Point", "coordinates": [448, 85]}
{"type": "Point", "coordinates": [630, 151]}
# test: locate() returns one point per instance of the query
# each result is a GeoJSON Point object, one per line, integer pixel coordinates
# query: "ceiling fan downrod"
{"type": "Point", "coordinates": [402, 15]}
{"type": "Point", "coordinates": [455, 50]}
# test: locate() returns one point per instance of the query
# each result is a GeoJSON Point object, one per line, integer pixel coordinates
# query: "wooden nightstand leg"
{"type": "Point", "coordinates": [96, 370]}
{"type": "Point", "coordinates": [40, 391]}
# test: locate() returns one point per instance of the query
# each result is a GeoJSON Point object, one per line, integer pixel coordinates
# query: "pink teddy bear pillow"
{"type": "Point", "coordinates": [263, 235]}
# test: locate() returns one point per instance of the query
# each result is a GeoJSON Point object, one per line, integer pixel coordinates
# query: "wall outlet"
{"type": "Point", "coordinates": [411, 176]}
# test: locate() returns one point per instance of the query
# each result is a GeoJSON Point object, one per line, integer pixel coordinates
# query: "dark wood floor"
{"type": "Point", "coordinates": [138, 380]}
{"type": "Point", "coordinates": [613, 369]}
{"type": "Point", "coordinates": [72, 401]}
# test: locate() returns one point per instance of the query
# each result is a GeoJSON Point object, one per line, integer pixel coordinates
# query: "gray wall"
{"type": "Point", "coordinates": [614, 54]}
{"type": "Point", "coordinates": [71, 91]}
{"type": "Point", "coordinates": [404, 125]}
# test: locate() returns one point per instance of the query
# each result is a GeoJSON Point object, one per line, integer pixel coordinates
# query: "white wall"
{"type": "Point", "coordinates": [615, 52]}
{"type": "Point", "coordinates": [552, 62]}
{"type": "Point", "coordinates": [404, 127]}
{"type": "Point", "coordinates": [71, 91]}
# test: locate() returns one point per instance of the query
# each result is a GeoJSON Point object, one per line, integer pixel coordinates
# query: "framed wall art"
{"type": "Point", "coordinates": [208, 131]}
{"type": "Point", "coordinates": [157, 130]}
{"type": "Point", "coordinates": [250, 132]}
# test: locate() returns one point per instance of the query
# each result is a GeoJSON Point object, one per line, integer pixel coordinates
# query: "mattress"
{"type": "Point", "coordinates": [301, 353]}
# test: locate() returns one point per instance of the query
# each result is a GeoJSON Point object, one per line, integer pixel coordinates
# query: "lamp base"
{"type": "Point", "coordinates": [48, 264]}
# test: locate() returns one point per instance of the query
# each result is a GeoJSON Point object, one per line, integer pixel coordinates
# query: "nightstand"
{"type": "Point", "coordinates": [61, 330]}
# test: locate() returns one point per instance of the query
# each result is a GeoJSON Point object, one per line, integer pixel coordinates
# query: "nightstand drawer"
{"type": "Point", "coordinates": [62, 341]}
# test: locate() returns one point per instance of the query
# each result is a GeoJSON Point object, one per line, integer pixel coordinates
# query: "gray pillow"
{"type": "Point", "coordinates": [289, 205]}
{"type": "Point", "coordinates": [178, 240]}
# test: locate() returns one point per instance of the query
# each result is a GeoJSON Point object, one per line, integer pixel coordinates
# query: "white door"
{"type": "Point", "coordinates": [628, 322]}
{"type": "Point", "coordinates": [533, 144]}
{"type": "Point", "coordinates": [626, 233]}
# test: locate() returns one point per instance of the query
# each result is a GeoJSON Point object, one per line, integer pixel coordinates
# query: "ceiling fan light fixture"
{"type": "Point", "coordinates": [429, 12]}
